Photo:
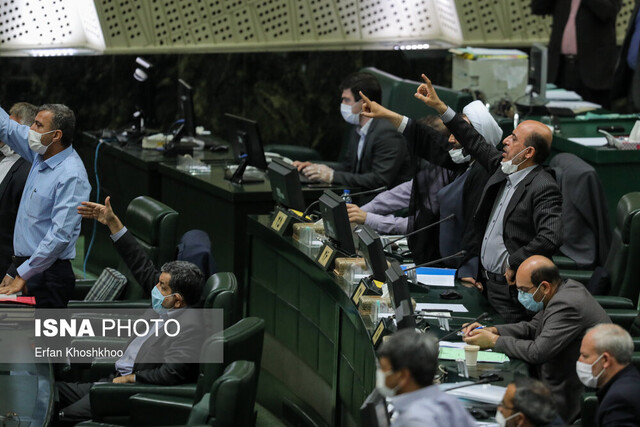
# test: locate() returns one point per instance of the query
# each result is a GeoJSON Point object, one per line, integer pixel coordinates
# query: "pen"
{"type": "Point", "coordinates": [479, 327]}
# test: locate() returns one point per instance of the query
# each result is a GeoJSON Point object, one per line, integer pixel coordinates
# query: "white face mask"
{"type": "Point", "coordinates": [501, 420]}
{"type": "Point", "coordinates": [381, 384]}
{"type": "Point", "coordinates": [508, 167]}
{"type": "Point", "coordinates": [6, 150]}
{"type": "Point", "coordinates": [34, 141]}
{"type": "Point", "coordinates": [585, 373]}
{"type": "Point", "coordinates": [348, 116]}
{"type": "Point", "coordinates": [457, 156]}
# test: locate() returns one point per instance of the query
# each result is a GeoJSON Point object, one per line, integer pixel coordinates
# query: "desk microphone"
{"type": "Point", "coordinates": [361, 193]}
{"type": "Point", "coordinates": [477, 319]}
{"type": "Point", "coordinates": [426, 227]}
{"type": "Point", "coordinates": [436, 261]}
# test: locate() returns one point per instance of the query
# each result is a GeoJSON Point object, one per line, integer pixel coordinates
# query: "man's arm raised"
{"type": "Point", "coordinates": [102, 213]}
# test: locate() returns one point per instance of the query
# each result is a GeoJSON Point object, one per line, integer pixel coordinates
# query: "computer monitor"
{"type": "Point", "coordinates": [400, 297]}
{"type": "Point", "coordinates": [538, 73]}
{"type": "Point", "coordinates": [185, 108]}
{"type": "Point", "coordinates": [336, 221]}
{"type": "Point", "coordinates": [371, 248]}
{"type": "Point", "coordinates": [285, 185]}
{"type": "Point", "coordinates": [243, 134]}
{"type": "Point", "coordinates": [373, 411]}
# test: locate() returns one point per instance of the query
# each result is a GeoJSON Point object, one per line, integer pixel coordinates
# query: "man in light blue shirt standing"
{"type": "Point", "coordinates": [47, 225]}
{"type": "Point", "coordinates": [408, 362]}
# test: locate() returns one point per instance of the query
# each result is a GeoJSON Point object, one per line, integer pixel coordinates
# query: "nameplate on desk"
{"type": "Point", "coordinates": [282, 222]}
{"type": "Point", "coordinates": [383, 329]}
{"type": "Point", "coordinates": [327, 255]}
{"type": "Point", "coordinates": [360, 290]}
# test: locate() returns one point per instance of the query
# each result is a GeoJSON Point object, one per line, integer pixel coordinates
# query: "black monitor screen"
{"type": "Point", "coordinates": [285, 185]}
{"type": "Point", "coordinates": [185, 108]}
{"type": "Point", "coordinates": [538, 71]}
{"type": "Point", "coordinates": [400, 297]}
{"type": "Point", "coordinates": [336, 221]}
{"type": "Point", "coordinates": [373, 411]}
{"type": "Point", "coordinates": [371, 248]}
{"type": "Point", "coordinates": [243, 134]}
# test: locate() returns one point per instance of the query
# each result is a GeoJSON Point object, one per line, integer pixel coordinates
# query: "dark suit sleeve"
{"type": "Point", "coordinates": [474, 143]}
{"type": "Point", "coordinates": [388, 154]}
{"type": "Point", "coordinates": [185, 346]}
{"type": "Point", "coordinates": [618, 412]}
{"type": "Point", "coordinates": [542, 7]}
{"type": "Point", "coordinates": [138, 262]}
{"type": "Point", "coordinates": [562, 325]}
{"type": "Point", "coordinates": [547, 218]}
{"type": "Point", "coordinates": [426, 142]}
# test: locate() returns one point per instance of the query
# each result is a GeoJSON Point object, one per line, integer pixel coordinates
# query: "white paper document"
{"type": "Point", "coordinates": [485, 393]}
{"type": "Point", "coordinates": [597, 141]}
{"type": "Point", "coordinates": [428, 306]}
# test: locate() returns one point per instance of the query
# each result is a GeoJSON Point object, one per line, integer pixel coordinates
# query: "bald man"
{"type": "Point", "coordinates": [519, 213]}
{"type": "Point", "coordinates": [550, 342]}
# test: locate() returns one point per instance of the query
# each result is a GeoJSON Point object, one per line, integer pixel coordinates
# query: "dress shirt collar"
{"type": "Point", "coordinates": [403, 401]}
{"type": "Point", "coordinates": [362, 131]}
{"type": "Point", "coordinates": [54, 161]}
{"type": "Point", "coordinates": [518, 176]}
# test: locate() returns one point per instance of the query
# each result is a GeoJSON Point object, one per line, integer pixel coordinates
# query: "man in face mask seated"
{"type": "Point", "coordinates": [176, 287]}
{"type": "Point", "coordinates": [376, 155]}
{"type": "Point", "coordinates": [519, 213]}
{"type": "Point", "coordinates": [527, 403]}
{"type": "Point", "coordinates": [408, 361]}
{"type": "Point", "coordinates": [550, 342]}
{"type": "Point", "coordinates": [605, 364]}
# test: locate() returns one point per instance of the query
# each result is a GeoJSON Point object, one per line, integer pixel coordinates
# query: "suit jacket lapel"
{"type": "Point", "coordinates": [7, 178]}
{"type": "Point", "coordinates": [517, 195]}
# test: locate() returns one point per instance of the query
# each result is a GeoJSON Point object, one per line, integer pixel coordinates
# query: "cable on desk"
{"type": "Point", "coordinates": [95, 222]}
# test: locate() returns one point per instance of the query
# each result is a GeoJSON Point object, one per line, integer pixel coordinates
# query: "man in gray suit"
{"type": "Point", "coordinates": [551, 340]}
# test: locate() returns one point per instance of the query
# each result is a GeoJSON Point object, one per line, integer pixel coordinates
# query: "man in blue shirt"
{"type": "Point", "coordinates": [47, 225]}
{"type": "Point", "coordinates": [408, 362]}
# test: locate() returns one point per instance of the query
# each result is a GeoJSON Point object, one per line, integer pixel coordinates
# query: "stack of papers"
{"type": "Point", "coordinates": [576, 106]}
{"type": "Point", "coordinates": [428, 306]}
{"type": "Point", "coordinates": [436, 276]}
{"type": "Point", "coordinates": [485, 393]}
{"type": "Point", "coordinates": [450, 353]}
{"type": "Point", "coordinates": [475, 53]}
{"type": "Point", "coordinates": [597, 141]}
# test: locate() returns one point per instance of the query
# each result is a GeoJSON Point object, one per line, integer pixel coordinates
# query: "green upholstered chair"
{"type": "Point", "coordinates": [226, 404]}
{"type": "Point", "coordinates": [294, 152]}
{"type": "Point", "coordinates": [622, 263]}
{"type": "Point", "coordinates": [111, 403]}
{"type": "Point", "coordinates": [221, 291]}
{"type": "Point", "coordinates": [388, 83]}
{"type": "Point", "coordinates": [589, 407]}
{"type": "Point", "coordinates": [154, 225]}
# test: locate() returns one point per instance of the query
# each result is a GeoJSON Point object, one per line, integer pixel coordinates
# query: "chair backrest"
{"type": "Point", "coordinates": [221, 291]}
{"type": "Point", "coordinates": [589, 407]}
{"type": "Point", "coordinates": [154, 225]}
{"type": "Point", "coordinates": [242, 341]}
{"type": "Point", "coordinates": [623, 262]}
{"type": "Point", "coordinates": [229, 402]}
{"type": "Point", "coordinates": [586, 229]}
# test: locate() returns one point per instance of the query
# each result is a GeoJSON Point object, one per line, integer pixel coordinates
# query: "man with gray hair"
{"type": "Point", "coordinates": [13, 175]}
{"type": "Point", "coordinates": [527, 403]}
{"type": "Point", "coordinates": [605, 364]}
{"type": "Point", "coordinates": [47, 226]}
{"type": "Point", "coordinates": [408, 362]}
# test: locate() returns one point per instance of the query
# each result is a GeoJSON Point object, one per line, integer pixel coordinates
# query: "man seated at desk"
{"type": "Point", "coordinates": [551, 340]}
{"type": "Point", "coordinates": [177, 286]}
{"type": "Point", "coordinates": [408, 362]}
{"type": "Point", "coordinates": [376, 155]}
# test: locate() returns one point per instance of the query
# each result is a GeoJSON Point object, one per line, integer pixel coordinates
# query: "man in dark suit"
{"type": "Point", "coordinates": [605, 363]}
{"type": "Point", "coordinates": [551, 340]}
{"type": "Point", "coordinates": [13, 175]}
{"type": "Point", "coordinates": [582, 46]}
{"type": "Point", "coordinates": [626, 83]}
{"type": "Point", "coordinates": [376, 155]}
{"type": "Point", "coordinates": [176, 287]}
{"type": "Point", "coordinates": [519, 213]}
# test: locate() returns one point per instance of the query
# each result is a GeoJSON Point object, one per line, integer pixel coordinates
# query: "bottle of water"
{"type": "Point", "coordinates": [346, 196]}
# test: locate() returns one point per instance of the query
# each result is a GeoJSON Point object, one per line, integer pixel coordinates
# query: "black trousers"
{"type": "Point", "coordinates": [73, 401]}
{"type": "Point", "coordinates": [53, 287]}
{"type": "Point", "coordinates": [504, 299]}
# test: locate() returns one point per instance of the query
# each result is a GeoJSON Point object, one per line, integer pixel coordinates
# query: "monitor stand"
{"type": "Point", "coordinates": [532, 106]}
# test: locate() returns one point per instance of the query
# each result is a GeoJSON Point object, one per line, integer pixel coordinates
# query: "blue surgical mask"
{"type": "Point", "coordinates": [157, 299]}
{"type": "Point", "coordinates": [526, 299]}
{"type": "Point", "coordinates": [348, 116]}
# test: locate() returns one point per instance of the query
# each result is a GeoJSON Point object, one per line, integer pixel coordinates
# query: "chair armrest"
{"type": "Point", "coordinates": [636, 344]}
{"type": "Point", "coordinates": [109, 399]}
{"type": "Point", "coordinates": [565, 262]}
{"type": "Point", "coordinates": [102, 368]}
{"type": "Point", "coordinates": [581, 276]}
{"type": "Point", "coordinates": [622, 317]}
{"type": "Point", "coordinates": [158, 410]}
{"type": "Point", "coordinates": [82, 288]}
{"type": "Point", "coordinates": [612, 301]}
{"type": "Point", "coordinates": [142, 303]}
